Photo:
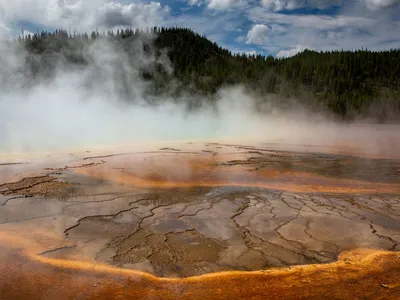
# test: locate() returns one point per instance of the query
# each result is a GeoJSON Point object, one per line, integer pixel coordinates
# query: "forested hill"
{"type": "Point", "coordinates": [345, 82]}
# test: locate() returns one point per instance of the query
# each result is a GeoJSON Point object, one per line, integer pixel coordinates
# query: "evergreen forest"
{"type": "Point", "coordinates": [178, 61]}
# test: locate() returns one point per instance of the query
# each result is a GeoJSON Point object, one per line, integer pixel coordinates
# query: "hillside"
{"type": "Point", "coordinates": [348, 83]}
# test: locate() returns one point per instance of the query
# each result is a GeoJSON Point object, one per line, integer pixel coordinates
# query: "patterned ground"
{"type": "Point", "coordinates": [202, 208]}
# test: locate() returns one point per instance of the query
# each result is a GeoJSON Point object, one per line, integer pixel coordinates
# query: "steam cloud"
{"type": "Point", "coordinates": [80, 108]}
{"type": "Point", "coordinates": [84, 107]}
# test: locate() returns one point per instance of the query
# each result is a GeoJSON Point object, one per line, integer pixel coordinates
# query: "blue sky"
{"type": "Point", "coordinates": [275, 27]}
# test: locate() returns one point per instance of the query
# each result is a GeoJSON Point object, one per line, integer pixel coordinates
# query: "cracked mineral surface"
{"type": "Point", "coordinates": [195, 208]}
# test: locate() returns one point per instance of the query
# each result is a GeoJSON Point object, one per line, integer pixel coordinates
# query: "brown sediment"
{"type": "Point", "coordinates": [358, 274]}
{"type": "Point", "coordinates": [193, 171]}
{"type": "Point", "coordinates": [291, 187]}
{"type": "Point", "coordinates": [10, 164]}
{"type": "Point", "coordinates": [33, 186]}
{"type": "Point", "coordinates": [169, 149]}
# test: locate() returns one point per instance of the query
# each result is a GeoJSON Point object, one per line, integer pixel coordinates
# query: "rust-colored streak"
{"type": "Point", "coordinates": [361, 274]}
{"type": "Point", "coordinates": [186, 172]}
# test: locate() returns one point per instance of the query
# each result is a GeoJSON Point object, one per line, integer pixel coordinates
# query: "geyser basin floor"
{"type": "Point", "coordinates": [192, 209]}
{"type": "Point", "coordinates": [361, 274]}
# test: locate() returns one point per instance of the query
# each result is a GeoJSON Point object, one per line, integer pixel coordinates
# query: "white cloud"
{"type": "Point", "coordinates": [277, 5]}
{"type": "Point", "coordinates": [290, 52]}
{"type": "Point", "coordinates": [195, 2]}
{"type": "Point", "coordinates": [373, 31]}
{"type": "Point", "coordinates": [376, 4]}
{"type": "Point", "coordinates": [258, 34]}
{"type": "Point", "coordinates": [83, 15]}
{"type": "Point", "coordinates": [136, 15]}
{"type": "Point", "coordinates": [226, 4]}
{"type": "Point", "coordinates": [309, 21]}
{"type": "Point", "coordinates": [26, 33]}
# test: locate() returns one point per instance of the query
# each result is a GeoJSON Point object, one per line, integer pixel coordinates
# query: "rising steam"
{"type": "Point", "coordinates": [82, 107]}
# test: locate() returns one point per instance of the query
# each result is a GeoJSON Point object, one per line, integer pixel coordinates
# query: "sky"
{"type": "Point", "coordinates": [280, 28]}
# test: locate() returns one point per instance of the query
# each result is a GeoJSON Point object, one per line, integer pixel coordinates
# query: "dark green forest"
{"type": "Point", "coordinates": [347, 83]}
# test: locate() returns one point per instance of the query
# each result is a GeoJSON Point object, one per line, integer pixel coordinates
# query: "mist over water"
{"type": "Point", "coordinates": [78, 108]}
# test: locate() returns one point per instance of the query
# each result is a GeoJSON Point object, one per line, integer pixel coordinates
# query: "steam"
{"type": "Point", "coordinates": [83, 107]}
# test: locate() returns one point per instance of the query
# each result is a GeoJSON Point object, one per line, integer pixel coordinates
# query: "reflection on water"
{"type": "Point", "coordinates": [296, 172]}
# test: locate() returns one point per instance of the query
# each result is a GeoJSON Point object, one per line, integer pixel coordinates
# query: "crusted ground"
{"type": "Point", "coordinates": [33, 186]}
{"type": "Point", "coordinates": [191, 222]}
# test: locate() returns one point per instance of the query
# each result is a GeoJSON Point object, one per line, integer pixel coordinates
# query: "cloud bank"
{"type": "Point", "coordinates": [83, 15]}
{"type": "Point", "coordinates": [266, 26]}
